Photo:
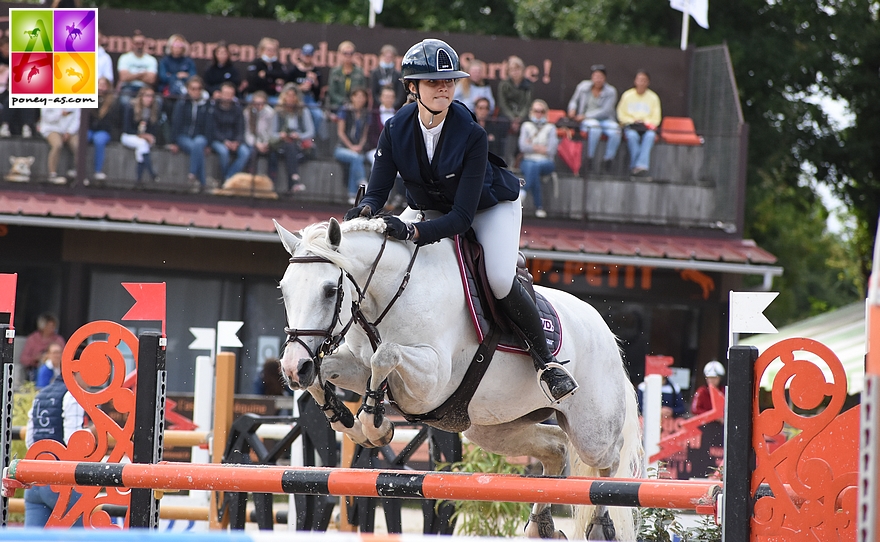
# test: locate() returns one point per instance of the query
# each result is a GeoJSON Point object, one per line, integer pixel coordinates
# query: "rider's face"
{"type": "Point", "coordinates": [437, 93]}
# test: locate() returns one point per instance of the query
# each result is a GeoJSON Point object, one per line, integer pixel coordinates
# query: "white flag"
{"type": "Point", "coordinates": [204, 338]}
{"type": "Point", "coordinates": [377, 5]}
{"type": "Point", "coordinates": [698, 9]}
{"type": "Point", "coordinates": [226, 334]}
{"type": "Point", "coordinates": [747, 312]}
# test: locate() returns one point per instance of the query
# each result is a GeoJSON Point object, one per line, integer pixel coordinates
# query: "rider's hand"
{"type": "Point", "coordinates": [397, 228]}
{"type": "Point", "coordinates": [362, 211]}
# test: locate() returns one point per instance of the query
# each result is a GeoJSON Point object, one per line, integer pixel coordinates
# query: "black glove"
{"type": "Point", "coordinates": [359, 211]}
{"type": "Point", "coordinates": [397, 228]}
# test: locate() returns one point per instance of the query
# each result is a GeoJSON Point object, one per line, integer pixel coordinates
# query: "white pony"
{"type": "Point", "coordinates": [342, 276]}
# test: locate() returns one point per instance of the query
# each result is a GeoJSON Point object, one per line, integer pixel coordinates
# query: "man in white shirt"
{"type": "Point", "coordinates": [136, 68]}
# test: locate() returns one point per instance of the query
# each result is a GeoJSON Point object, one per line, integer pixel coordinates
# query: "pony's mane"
{"type": "Point", "coordinates": [314, 238]}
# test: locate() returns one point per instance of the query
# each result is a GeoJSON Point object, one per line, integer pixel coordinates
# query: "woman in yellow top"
{"type": "Point", "coordinates": [638, 112]}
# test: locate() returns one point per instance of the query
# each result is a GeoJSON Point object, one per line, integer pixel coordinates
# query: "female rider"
{"type": "Point", "coordinates": [441, 153]}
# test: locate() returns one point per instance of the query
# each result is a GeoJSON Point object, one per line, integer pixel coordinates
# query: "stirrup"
{"type": "Point", "coordinates": [546, 389]}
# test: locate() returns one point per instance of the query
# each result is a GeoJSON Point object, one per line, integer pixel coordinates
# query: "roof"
{"type": "Point", "coordinates": [233, 219]}
{"type": "Point", "coordinates": [842, 330]}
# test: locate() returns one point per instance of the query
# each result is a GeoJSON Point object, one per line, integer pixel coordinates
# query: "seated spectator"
{"type": "Point", "coordinates": [496, 131]}
{"type": "Point", "coordinates": [537, 143]}
{"type": "Point", "coordinates": [386, 74]}
{"type": "Point", "coordinates": [140, 130]}
{"type": "Point", "coordinates": [50, 365]}
{"type": "Point", "coordinates": [103, 62]}
{"type": "Point", "coordinates": [266, 72]}
{"type": "Point", "coordinates": [472, 88]}
{"type": "Point", "coordinates": [671, 402]}
{"type": "Point", "coordinates": [514, 100]}
{"type": "Point", "coordinates": [379, 116]}
{"type": "Point", "coordinates": [136, 68]}
{"type": "Point", "coordinates": [17, 121]}
{"type": "Point", "coordinates": [175, 68]}
{"type": "Point", "coordinates": [592, 104]}
{"type": "Point", "coordinates": [221, 70]}
{"type": "Point", "coordinates": [259, 126]}
{"type": "Point", "coordinates": [352, 127]}
{"type": "Point", "coordinates": [227, 132]}
{"type": "Point", "coordinates": [38, 342]}
{"type": "Point", "coordinates": [307, 78]}
{"type": "Point", "coordinates": [638, 112]}
{"type": "Point", "coordinates": [189, 129]}
{"type": "Point", "coordinates": [345, 78]}
{"type": "Point", "coordinates": [702, 401]}
{"type": "Point", "coordinates": [294, 132]}
{"type": "Point", "coordinates": [104, 124]}
{"type": "Point", "coordinates": [60, 127]}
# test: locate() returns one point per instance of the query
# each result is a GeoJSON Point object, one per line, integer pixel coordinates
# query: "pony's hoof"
{"type": "Point", "coordinates": [606, 532]}
{"type": "Point", "coordinates": [541, 525]}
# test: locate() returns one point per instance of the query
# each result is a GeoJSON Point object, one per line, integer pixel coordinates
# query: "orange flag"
{"type": "Point", "coordinates": [7, 295]}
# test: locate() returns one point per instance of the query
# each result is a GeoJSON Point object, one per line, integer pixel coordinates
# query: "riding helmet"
{"type": "Point", "coordinates": [713, 368]}
{"type": "Point", "coordinates": [431, 59]}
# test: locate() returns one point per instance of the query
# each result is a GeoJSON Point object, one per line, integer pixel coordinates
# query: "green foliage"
{"type": "Point", "coordinates": [476, 518]}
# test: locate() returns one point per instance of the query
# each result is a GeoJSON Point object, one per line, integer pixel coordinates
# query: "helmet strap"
{"type": "Point", "coordinates": [419, 98]}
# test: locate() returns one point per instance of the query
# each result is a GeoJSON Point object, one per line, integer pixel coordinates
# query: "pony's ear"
{"type": "Point", "coordinates": [334, 234]}
{"type": "Point", "coordinates": [289, 240]}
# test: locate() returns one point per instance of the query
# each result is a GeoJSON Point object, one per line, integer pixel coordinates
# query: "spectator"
{"type": "Point", "coordinates": [515, 94]}
{"type": "Point", "coordinates": [175, 68]}
{"type": "Point", "coordinates": [60, 128]}
{"type": "Point", "coordinates": [592, 104]}
{"type": "Point", "coordinates": [38, 343]}
{"type": "Point", "coordinates": [227, 132]}
{"type": "Point", "coordinates": [220, 71]}
{"type": "Point", "coordinates": [104, 124]}
{"type": "Point", "coordinates": [259, 126]}
{"type": "Point", "coordinates": [345, 78]}
{"type": "Point", "coordinates": [266, 72]}
{"type": "Point", "coordinates": [140, 130]}
{"type": "Point", "coordinates": [49, 365]}
{"type": "Point", "coordinates": [307, 78]}
{"type": "Point", "coordinates": [702, 401]}
{"type": "Point", "coordinates": [136, 68]}
{"type": "Point", "coordinates": [472, 88]}
{"type": "Point", "coordinates": [639, 114]}
{"type": "Point", "coordinates": [672, 403]}
{"type": "Point", "coordinates": [56, 416]}
{"type": "Point", "coordinates": [352, 128]}
{"type": "Point", "coordinates": [103, 62]}
{"type": "Point", "coordinates": [537, 142]}
{"type": "Point", "coordinates": [270, 381]}
{"type": "Point", "coordinates": [495, 131]}
{"type": "Point", "coordinates": [13, 122]}
{"type": "Point", "coordinates": [386, 74]}
{"type": "Point", "coordinates": [189, 129]}
{"type": "Point", "coordinates": [294, 132]}
{"type": "Point", "coordinates": [379, 116]}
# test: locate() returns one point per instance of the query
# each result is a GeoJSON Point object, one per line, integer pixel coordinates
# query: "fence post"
{"type": "Point", "coordinates": [739, 458]}
{"type": "Point", "coordinates": [7, 335]}
{"type": "Point", "coordinates": [149, 423]}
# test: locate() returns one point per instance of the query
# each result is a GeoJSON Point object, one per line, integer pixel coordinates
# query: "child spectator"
{"type": "Point", "coordinates": [259, 126]}
{"type": "Point", "coordinates": [672, 402]}
{"type": "Point", "coordinates": [496, 131]}
{"type": "Point", "coordinates": [537, 142]}
{"type": "Point", "coordinates": [386, 74]}
{"type": "Point", "coordinates": [60, 127]}
{"type": "Point", "coordinates": [515, 94]}
{"type": "Point", "coordinates": [345, 78]}
{"type": "Point", "coordinates": [639, 114]}
{"type": "Point", "coordinates": [266, 72]}
{"type": "Point", "coordinates": [104, 124]}
{"type": "Point", "coordinates": [175, 68]}
{"type": "Point", "coordinates": [136, 68]}
{"type": "Point", "coordinates": [592, 104]}
{"type": "Point", "coordinates": [352, 128]}
{"type": "Point", "coordinates": [220, 71]}
{"type": "Point", "coordinates": [702, 401]}
{"type": "Point", "coordinates": [140, 130]}
{"type": "Point", "coordinates": [189, 129]}
{"type": "Point", "coordinates": [294, 132]}
{"type": "Point", "coordinates": [307, 78]}
{"type": "Point", "coordinates": [50, 365]}
{"type": "Point", "coordinates": [472, 88]}
{"type": "Point", "coordinates": [38, 342]}
{"type": "Point", "coordinates": [227, 132]}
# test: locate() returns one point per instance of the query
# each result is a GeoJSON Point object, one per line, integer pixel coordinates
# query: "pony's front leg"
{"type": "Point", "coordinates": [340, 417]}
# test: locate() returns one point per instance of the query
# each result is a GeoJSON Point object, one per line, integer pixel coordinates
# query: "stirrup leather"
{"type": "Point", "coordinates": [546, 389]}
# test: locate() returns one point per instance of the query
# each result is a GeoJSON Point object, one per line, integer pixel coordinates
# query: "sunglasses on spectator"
{"type": "Point", "coordinates": [538, 110]}
{"type": "Point", "coordinates": [347, 53]}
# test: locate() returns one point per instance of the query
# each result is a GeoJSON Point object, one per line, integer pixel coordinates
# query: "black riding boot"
{"type": "Point", "coordinates": [521, 309]}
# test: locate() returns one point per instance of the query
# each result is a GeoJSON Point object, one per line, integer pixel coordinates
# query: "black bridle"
{"type": "Point", "coordinates": [332, 341]}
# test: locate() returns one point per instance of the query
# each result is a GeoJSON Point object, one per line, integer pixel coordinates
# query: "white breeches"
{"type": "Point", "coordinates": [139, 144]}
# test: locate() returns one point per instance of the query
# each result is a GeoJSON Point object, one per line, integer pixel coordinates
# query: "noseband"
{"type": "Point", "coordinates": [332, 341]}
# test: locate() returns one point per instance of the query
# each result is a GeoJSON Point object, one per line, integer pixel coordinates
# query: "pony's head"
{"type": "Point", "coordinates": [317, 295]}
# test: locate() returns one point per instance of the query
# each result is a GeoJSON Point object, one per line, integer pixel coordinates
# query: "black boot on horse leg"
{"type": "Point", "coordinates": [522, 311]}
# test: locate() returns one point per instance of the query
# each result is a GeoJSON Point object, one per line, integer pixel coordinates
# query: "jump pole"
{"type": "Point", "coordinates": [685, 495]}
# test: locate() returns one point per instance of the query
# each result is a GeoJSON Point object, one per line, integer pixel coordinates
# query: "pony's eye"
{"type": "Point", "coordinates": [330, 291]}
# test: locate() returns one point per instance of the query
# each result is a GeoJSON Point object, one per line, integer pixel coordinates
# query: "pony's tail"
{"type": "Point", "coordinates": [630, 466]}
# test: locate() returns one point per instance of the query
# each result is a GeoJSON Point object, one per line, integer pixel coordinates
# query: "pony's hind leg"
{"type": "Point", "coordinates": [601, 527]}
{"type": "Point", "coordinates": [546, 443]}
